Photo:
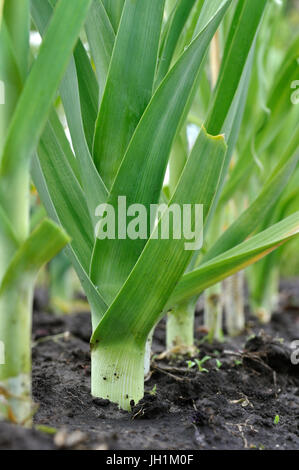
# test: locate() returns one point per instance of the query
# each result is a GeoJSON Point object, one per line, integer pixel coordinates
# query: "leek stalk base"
{"type": "Point", "coordinates": [15, 373]}
{"type": "Point", "coordinates": [180, 327]}
{"type": "Point", "coordinates": [117, 373]}
{"type": "Point", "coordinates": [147, 355]}
{"type": "Point", "coordinates": [233, 288]}
{"type": "Point", "coordinates": [265, 298]}
{"type": "Point", "coordinates": [213, 312]}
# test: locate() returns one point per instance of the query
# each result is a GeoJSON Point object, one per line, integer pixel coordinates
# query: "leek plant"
{"type": "Point", "coordinates": [213, 312]}
{"type": "Point", "coordinates": [257, 123]}
{"type": "Point", "coordinates": [29, 90]}
{"type": "Point", "coordinates": [263, 277]}
{"type": "Point", "coordinates": [233, 287]}
{"type": "Point", "coordinates": [233, 293]}
{"type": "Point", "coordinates": [128, 90]}
{"type": "Point", "coordinates": [271, 120]}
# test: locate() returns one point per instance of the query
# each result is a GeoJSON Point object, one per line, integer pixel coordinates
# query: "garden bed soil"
{"type": "Point", "coordinates": [248, 399]}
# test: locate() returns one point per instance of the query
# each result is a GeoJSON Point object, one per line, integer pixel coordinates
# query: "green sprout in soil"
{"type": "Point", "coordinates": [276, 419]}
{"type": "Point", "coordinates": [153, 391]}
{"type": "Point", "coordinates": [190, 364]}
{"type": "Point", "coordinates": [200, 362]}
{"type": "Point", "coordinates": [238, 362]}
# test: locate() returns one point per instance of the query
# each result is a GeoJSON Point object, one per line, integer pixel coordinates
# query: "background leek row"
{"type": "Point", "coordinates": [25, 110]}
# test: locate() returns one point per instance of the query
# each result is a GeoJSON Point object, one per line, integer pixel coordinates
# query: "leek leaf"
{"type": "Point", "coordinates": [114, 10]}
{"type": "Point", "coordinates": [101, 38]}
{"type": "Point", "coordinates": [129, 83]}
{"type": "Point", "coordinates": [17, 19]}
{"type": "Point", "coordinates": [42, 82]}
{"type": "Point", "coordinates": [177, 23]}
{"type": "Point", "coordinates": [234, 260]}
{"type": "Point", "coordinates": [197, 185]}
{"type": "Point", "coordinates": [141, 173]}
{"type": "Point", "coordinates": [258, 210]}
{"type": "Point", "coordinates": [244, 27]}
{"type": "Point", "coordinates": [45, 189]}
{"type": "Point", "coordinates": [44, 243]}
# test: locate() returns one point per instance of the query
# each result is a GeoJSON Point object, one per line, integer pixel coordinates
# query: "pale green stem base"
{"type": "Point", "coordinates": [117, 373]}
{"type": "Point", "coordinates": [262, 313]}
{"type": "Point", "coordinates": [264, 305]}
{"type": "Point", "coordinates": [213, 312]}
{"type": "Point", "coordinates": [15, 373]}
{"type": "Point", "coordinates": [15, 399]}
{"type": "Point", "coordinates": [180, 327]}
{"type": "Point", "coordinates": [234, 303]}
{"type": "Point", "coordinates": [147, 355]}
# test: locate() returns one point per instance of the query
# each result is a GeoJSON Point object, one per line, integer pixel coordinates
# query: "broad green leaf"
{"type": "Point", "coordinates": [88, 86]}
{"type": "Point", "coordinates": [191, 26]}
{"type": "Point", "coordinates": [89, 92]}
{"type": "Point", "coordinates": [6, 230]}
{"type": "Point", "coordinates": [10, 75]}
{"type": "Point", "coordinates": [1, 10]}
{"type": "Point", "coordinates": [141, 174]}
{"type": "Point", "coordinates": [94, 189]}
{"type": "Point", "coordinates": [44, 243]}
{"type": "Point", "coordinates": [163, 261]}
{"type": "Point", "coordinates": [233, 122]}
{"type": "Point", "coordinates": [129, 83]}
{"type": "Point", "coordinates": [177, 161]}
{"type": "Point", "coordinates": [35, 102]}
{"type": "Point", "coordinates": [234, 260]}
{"type": "Point", "coordinates": [64, 144]}
{"type": "Point", "coordinates": [8, 240]}
{"type": "Point", "coordinates": [16, 296]}
{"type": "Point", "coordinates": [266, 129]}
{"type": "Point", "coordinates": [17, 19]}
{"type": "Point", "coordinates": [66, 194]}
{"type": "Point", "coordinates": [41, 85]}
{"type": "Point", "coordinates": [244, 27]}
{"type": "Point", "coordinates": [207, 11]}
{"type": "Point", "coordinates": [231, 91]}
{"type": "Point", "coordinates": [101, 39]}
{"type": "Point", "coordinates": [258, 210]}
{"type": "Point", "coordinates": [177, 23]}
{"type": "Point", "coordinates": [280, 102]}
{"type": "Point", "coordinates": [114, 10]}
{"type": "Point", "coordinates": [98, 305]}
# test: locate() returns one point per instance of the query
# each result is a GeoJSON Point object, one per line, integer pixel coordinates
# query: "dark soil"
{"type": "Point", "coordinates": [248, 399]}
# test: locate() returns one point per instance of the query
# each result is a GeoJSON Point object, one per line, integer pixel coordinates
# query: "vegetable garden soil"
{"type": "Point", "coordinates": [249, 398]}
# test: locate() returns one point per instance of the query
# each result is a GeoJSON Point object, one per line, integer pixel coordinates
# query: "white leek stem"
{"type": "Point", "coordinates": [180, 326]}
{"type": "Point", "coordinates": [15, 373]}
{"type": "Point", "coordinates": [117, 372]}
{"type": "Point", "coordinates": [147, 356]}
{"type": "Point", "coordinates": [267, 299]}
{"type": "Point", "coordinates": [233, 288]}
{"type": "Point", "coordinates": [213, 312]}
